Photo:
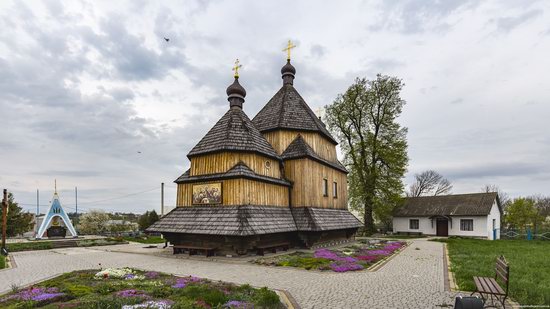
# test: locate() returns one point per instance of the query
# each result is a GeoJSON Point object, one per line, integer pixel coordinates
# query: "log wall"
{"type": "Point", "coordinates": [280, 140]}
{"type": "Point", "coordinates": [240, 192]}
{"type": "Point", "coordinates": [307, 191]}
{"type": "Point", "coordinates": [224, 161]}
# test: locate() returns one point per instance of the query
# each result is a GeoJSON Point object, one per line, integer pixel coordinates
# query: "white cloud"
{"type": "Point", "coordinates": [86, 85]}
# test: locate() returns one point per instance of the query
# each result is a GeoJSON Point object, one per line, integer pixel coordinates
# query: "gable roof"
{"type": "Point", "coordinates": [473, 204]}
{"type": "Point", "coordinates": [240, 170]}
{"type": "Point", "coordinates": [233, 132]}
{"type": "Point", "coordinates": [288, 110]}
{"type": "Point", "coordinates": [299, 148]}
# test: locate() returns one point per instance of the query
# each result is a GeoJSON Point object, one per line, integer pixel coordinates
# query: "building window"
{"type": "Point", "coordinates": [325, 187]}
{"type": "Point", "coordinates": [335, 189]}
{"type": "Point", "coordinates": [466, 224]}
{"type": "Point", "coordinates": [414, 224]}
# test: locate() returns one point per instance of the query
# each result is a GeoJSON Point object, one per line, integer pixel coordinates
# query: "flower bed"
{"type": "Point", "coordinates": [129, 288]}
{"type": "Point", "coordinates": [351, 258]}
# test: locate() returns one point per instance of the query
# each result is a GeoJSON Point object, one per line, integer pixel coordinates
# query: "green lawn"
{"type": "Point", "coordinates": [529, 266]}
{"type": "Point", "coordinates": [146, 239]}
{"type": "Point", "coordinates": [2, 262]}
{"type": "Point", "coordinates": [45, 244]}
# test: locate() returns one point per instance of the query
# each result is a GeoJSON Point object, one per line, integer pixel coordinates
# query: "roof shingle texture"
{"type": "Point", "coordinates": [240, 170]}
{"type": "Point", "coordinates": [288, 110]}
{"type": "Point", "coordinates": [299, 148]}
{"type": "Point", "coordinates": [474, 204]}
{"type": "Point", "coordinates": [226, 220]}
{"type": "Point", "coordinates": [233, 132]}
{"type": "Point", "coordinates": [324, 219]}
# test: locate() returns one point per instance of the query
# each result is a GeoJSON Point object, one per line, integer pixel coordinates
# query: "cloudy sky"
{"type": "Point", "coordinates": [85, 86]}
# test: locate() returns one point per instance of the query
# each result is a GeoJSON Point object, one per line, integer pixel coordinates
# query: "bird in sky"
{"type": "Point", "coordinates": [167, 39]}
{"type": "Point", "coordinates": [139, 152]}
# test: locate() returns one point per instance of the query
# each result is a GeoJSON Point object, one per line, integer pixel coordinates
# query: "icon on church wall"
{"type": "Point", "coordinates": [209, 193]}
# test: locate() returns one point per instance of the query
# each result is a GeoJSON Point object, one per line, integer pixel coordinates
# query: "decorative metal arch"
{"type": "Point", "coordinates": [55, 210]}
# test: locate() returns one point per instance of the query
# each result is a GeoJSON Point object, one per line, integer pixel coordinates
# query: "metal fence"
{"type": "Point", "coordinates": [525, 234]}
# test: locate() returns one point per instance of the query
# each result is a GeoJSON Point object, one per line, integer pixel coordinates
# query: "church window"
{"type": "Point", "coordinates": [325, 187]}
{"type": "Point", "coordinates": [335, 189]}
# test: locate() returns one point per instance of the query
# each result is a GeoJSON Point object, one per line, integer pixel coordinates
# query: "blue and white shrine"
{"type": "Point", "coordinates": [56, 223]}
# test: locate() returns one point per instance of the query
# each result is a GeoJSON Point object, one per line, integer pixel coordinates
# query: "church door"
{"type": "Point", "coordinates": [442, 227]}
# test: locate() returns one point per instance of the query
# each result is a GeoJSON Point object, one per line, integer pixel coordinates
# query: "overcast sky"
{"type": "Point", "coordinates": [87, 85]}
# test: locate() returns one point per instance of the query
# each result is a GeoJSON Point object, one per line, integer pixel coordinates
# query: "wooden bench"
{"type": "Point", "coordinates": [489, 287]}
{"type": "Point", "coordinates": [208, 251]}
{"type": "Point", "coordinates": [273, 247]}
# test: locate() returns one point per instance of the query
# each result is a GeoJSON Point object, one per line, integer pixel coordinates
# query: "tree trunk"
{"type": "Point", "coordinates": [368, 218]}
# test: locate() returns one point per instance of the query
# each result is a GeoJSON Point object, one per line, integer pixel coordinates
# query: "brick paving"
{"type": "Point", "coordinates": [412, 279]}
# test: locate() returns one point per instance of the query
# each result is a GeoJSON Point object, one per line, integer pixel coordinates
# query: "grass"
{"type": "Point", "coordinates": [85, 289]}
{"type": "Point", "coordinates": [529, 266]}
{"type": "Point", "coordinates": [147, 239]}
{"type": "Point", "coordinates": [2, 262]}
{"type": "Point", "coordinates": [29, 246]}
{"type": "Point", "coordinates": [45, 244]}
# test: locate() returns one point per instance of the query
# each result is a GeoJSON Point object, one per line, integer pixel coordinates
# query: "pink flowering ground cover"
{"type": "Point", "coordinates": [350, 258]}
{"type": "Point", "coordinates": [128, 288]}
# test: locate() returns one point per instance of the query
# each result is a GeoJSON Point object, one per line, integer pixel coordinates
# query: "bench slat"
{"type": "Point", "coordinates": [491, 285]}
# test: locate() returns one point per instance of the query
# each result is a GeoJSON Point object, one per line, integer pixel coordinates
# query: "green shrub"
{"type": "Point", "coordinates": [305, 262]}
{"type": "Point", "coordinates": [28, 246]}
{"type": "Point", "coordinates": [184, 303]}
{"type": "Point", "coordinates": [2, 262]}
{"type": "Point", "coordinates": [78, 290]}
{"type": "Point", "coordinates": [266, 298]}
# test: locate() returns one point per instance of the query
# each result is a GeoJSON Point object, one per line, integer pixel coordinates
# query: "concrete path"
{"type": "Point", "coordinates": [412, 279]}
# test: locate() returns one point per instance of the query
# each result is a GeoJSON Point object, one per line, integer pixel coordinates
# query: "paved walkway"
{"type": "Point", "coordinates": [412, 279]}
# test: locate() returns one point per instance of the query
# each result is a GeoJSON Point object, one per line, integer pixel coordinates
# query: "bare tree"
{"type": "Point", "coordinates": [503, 196]}
{"type": "Point", "coordinates": [542, 203]}
{"type": "Point", "coordinates": [430, 182]}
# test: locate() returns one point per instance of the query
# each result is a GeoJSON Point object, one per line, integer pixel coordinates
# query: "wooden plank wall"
{"type": "Point", "coordinates": [308, 178]}
{"type": "Point", "coordinates": [280, 140]}
{"type": "Point", "coordinates": [241, 192]}
{"type": "Point", "coordinates": [224, 161]}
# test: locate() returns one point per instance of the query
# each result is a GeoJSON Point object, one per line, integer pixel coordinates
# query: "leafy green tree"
{"type": "Point", "coordinates": [147, 219]}
{"type": "Point", "coordinates": [521, 212]}
{"type": "Point", "coordinates": [93, 222]}
{"type": "Point", "coordinates": [364, 119]}
{"type": "Point", "coordinates": [18, 222]}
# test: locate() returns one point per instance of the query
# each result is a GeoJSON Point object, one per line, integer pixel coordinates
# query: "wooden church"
{"type": "Point", "coordinates": [266, 183]}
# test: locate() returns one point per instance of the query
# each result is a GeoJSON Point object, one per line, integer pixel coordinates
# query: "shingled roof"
{"type": "Point", "coordinates": [288, 110]}
{"type": "Point", "coordinates": [234, 132]}
{"type": "Point", "coordinates": [240, 170]}
{"type": "Point", "coordinates": [324, 219]}
{"type": "Point", "coordinates": [299, 148]}
{"type": "Point", "coordinates": [474, 204]}
{"type": "Point", "coordinates": [226, 220]}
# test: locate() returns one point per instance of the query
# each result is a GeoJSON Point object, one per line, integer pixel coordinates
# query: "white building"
{"type": "Point", "coordinates": [472, 215]}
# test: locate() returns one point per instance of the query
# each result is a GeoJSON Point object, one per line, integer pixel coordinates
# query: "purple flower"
{"type": "Point", "coordinates": [129, 276]}
{"type": "Point", "coordinates": [151, 275]}
{"type": "Point", "coordinates": [238, 304]}
{"type": "Point", "coordinates": [35, 293]}
{"type": "Point", "coordinates": [379, 252]}
{"type": "Point", "coordinates": [46, 296]}
{"type": "Point", "coordinates": [348, 259]}
{"type": "Point", "coordinates": [346, 267]}
{"type": "Point", "coordinates": [325, 254]}
{"type": "Point", "coordinates": [368, 258]}
{"type": "Point", "coordinates": [132, 293]}
{"type": "Point", "coordinates": [179, 285]}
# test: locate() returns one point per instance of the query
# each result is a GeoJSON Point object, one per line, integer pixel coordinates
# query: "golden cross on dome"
{"type": "Point", "coordinates": [55, 186]}
{"type": "Point", "coordinates": [236, 68]}
{"type": "Point", "coordinates": [288, 48]}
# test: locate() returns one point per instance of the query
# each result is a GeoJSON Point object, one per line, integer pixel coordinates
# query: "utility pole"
{"type": "Point", "coordinates": [36, 226]}
{"type": "Point", "coordinates": [4, 219]}
{"type": "Point", "coordinates": [162, 199]}
{"type": "Point", "coordinates": [76, 204]}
